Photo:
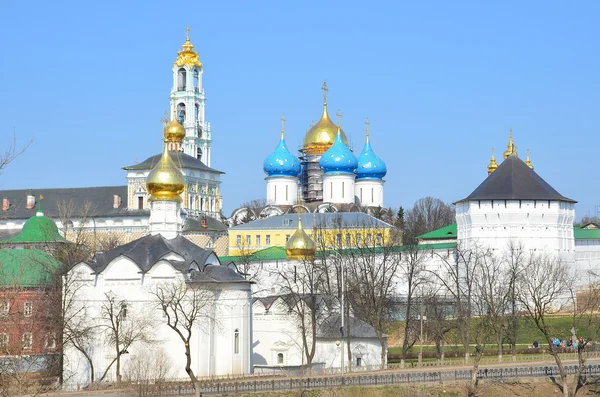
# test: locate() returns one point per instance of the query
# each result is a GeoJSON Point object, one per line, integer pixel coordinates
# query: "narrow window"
{"type": "Point", "coordinates": [248, 239]}
{"type": "Point", "coordinates": [338, 239]}
{"type": "Point", "coordinates": [140, 203]}
{"type": "Point", "coordinates": [369, 240]}
{"type": "Point", "coordinates": [379, 239]}
{"type": "Point", "coordinates": [358, 361]}
{"type": "Point", "coordinates": [238, 239]}
{"type": "Point", "coordinates": [279, 358]}
{"type": "Point", "coordinates": [181, 75]}
{"type": "Point", "coordinates": [348, 239]}
{"type": "Point", "coordinates": [287, 237]}
{"type": "Point", "coordinates": [27, 340]}
{"type": "Point", "coordinates": [319, 238]}
{"type": "Point", "coordinates": [4, 308]}
{"type": "Point", "coordinates": [181, 113]}
{"type": "Point", "coordinates": [358, 238]}
{"type": "Point", "coordinates": [268, 239]}
{"type": "Point", "coordinates": [123, 312]}
{"type": "Point", "coordinates": [196, 80]}
{"type": "Point", "coordinates": [258, 239]}
{"type": "Point", "coordinates": [236, 342]}
{"type": "Point", "coordinates": [342, 189]}
{"type": "Point", "coordinates": [3, 341]}
{"type": "Point", "coordinates": [50, 340]}
{"type": "Point", "coordinates": [27, 309]}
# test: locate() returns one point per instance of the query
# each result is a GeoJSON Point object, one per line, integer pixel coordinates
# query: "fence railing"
{"type": "Point", "coordinates": [369, 379]}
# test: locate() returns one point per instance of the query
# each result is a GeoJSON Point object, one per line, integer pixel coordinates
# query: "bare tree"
{"type": "Point", "coordinates": [147, 372]}
{"type": "Point", "coordinates": [545, 289]}
{"type": "Point", "coordinates": [11, 152]}
{"type": "Point", "coordinates": [123, 326]}
{"type": "Point", "coordinates": [426, 215]}
{"type": "Point", "coordinates": [184, 307]}
{"type": "Point", "coordinates": [515, 258]}
{"type": "Point", "coordinates": [411, 272]}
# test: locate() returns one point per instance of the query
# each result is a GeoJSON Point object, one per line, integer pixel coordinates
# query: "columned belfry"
{"type": "Point", "coordinates": [187, 102]}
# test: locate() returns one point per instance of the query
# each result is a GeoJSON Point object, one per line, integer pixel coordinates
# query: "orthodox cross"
{"type": "Point", "coordinates": [325, 89]}
{"type": "Point", "coordinates": [282, 125]}
{"type": "Point", "coordinates": [339, 117]}
{"type": "Point", "coordinates": [367, 124]}
{"type": "Point", "coordinates": [187, 34]}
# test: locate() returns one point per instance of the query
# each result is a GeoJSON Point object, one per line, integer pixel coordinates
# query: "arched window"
{"type": "Point", "coordinates": [236, 341]}
{"type": "Point", "coordinates": [196, 80]}
{"type": "Point", "coordinates": [196, 112]}
{"type": "Point", "coordinates": [181, 113]}
{"type": "Point", "coordinates": [279, 358]}
{"type": "Point", "coordinates": [181, 73]}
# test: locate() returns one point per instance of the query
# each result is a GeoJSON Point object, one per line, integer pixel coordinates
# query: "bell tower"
{"type": "Point", "coordinates": [187, 102]}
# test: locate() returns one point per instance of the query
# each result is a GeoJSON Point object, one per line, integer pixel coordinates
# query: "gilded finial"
{"type": "Point", "coordinates": [511, 149]}
{"type": "Point", "coordinates": [528, 161]}
{"type": "Point", "coordinates": [367, 124]}
{"type": "Point", "coordinates": [165, 120]}
{"type": "Point", "coordinates": [282, 125]}
{"type": "Point", "coordinates": [325, 89]}
{"type": "Point", "coordinates": [493, 165]}
{"type": "Point", "coordinates": [339, 118]}
{"type": "Point", "coordinates": [187, 33]}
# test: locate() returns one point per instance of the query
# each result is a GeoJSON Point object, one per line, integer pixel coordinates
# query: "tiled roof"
{"type": "Point", "coordinates": [514, 180]}
{"type": "Point", "coordinates": [446, 232]}
{"type": "Point", "coordinates": [100, 199]}
{"type": "Point", "coordinates": [25, 267]}
{"type": "Point", "coordinates": [327, 220]}
{"type": "Point", "coordinates": [181, 159]}
{"type": "Point", "coordinates": [194, 224]}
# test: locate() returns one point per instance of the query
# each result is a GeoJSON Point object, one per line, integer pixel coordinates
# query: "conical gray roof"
{"type": "Point", "coordinates": [514, 180]}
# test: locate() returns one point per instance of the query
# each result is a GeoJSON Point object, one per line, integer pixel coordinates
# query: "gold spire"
{"type": "Point", "coordinates": [528, 161]}
{"type": "Point", "coordinates": [174, 131]}
{"type": "Point", "coordinates": [367, 124]}
{"type": "Point", "coordinates": [511, 149]}
{"type": "Point", "coordinates": [282, 125]}
{"type": "Point", "coordinates": [187, 55]}
{"type": "Point", "coordinates": [321, 136]}
{"type": "Point", "coordinates": [300, 246]}
{"type": "Point", "coordinates": [492, 165]}
{"type": "Point", "coordinates": [165, 182]}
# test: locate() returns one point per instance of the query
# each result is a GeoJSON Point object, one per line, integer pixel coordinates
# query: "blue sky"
{"type": "Point", "coordinates": [441, 83]}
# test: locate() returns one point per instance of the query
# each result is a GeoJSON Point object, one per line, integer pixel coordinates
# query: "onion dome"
{"type": "Point", "coordinates": [369, 165]}
{"type": "Point", "coordinates": [174, 131]}
{"type": "Point", "coordinates": [187, 55]}
{"type": "Point", "coordinates": [321, 136]}
{"type": "Point", "coordinates": [338, 159]}
{"type": "Point", "coordinates": [165, 182]}
{"type": "Point", "coordinates": [38, 229]}
{"type": "Point", "coordinates": [492, 165]}
{"type": "Point", "coordinates": [528, 161]}
{"type": "Point", "coordinates": [511, 149]}
{"type": "Point", "coordinates": [300, 246]}
{"type": "Point", "coordinates": [281, 162]}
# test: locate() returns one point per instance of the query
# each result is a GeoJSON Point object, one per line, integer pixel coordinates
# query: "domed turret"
{"type": "Point", "coordinates": [511, 149]}
{"type": "Point", "coordinates": [174, 132]}
{"type": "Point", "coordinates": [528, 161]}
{"type": "Point", "coordinates": [493, 165]}
{"type": "Point", "coordinates": [165, 182]}
{"type": "Point", "coordinates": [38, 229]}
{"type": "Point", "coordinates": [338, 159]}
{"type": "Point", "coordinates": [281, 162]}
{"type": "Point", "coordinates": [300, 246]}
{"type": "Point", "coordinates": [321, 136]}
{"type": "Point", "coordinates": [369, 165]}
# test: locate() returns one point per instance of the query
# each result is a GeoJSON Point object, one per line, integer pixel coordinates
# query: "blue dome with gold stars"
{"type": "Point", "coordinates": [281, 162]}
{"type": "Point", "coordinates": [369, 165]}
{"type": "Point", "coordinates": [338, 159]}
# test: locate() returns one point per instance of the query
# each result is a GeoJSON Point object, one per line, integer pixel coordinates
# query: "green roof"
{"type": "Point", "coordinates": [278, 253]}
{"type": "Point", "coordinates": [445, 232]}
{"type": "Point", "coordinates": [37, 229]}
{"type": "Point", "coordinates": [586, 234]}
{"type": "Point", "coordinates": [25, 267]}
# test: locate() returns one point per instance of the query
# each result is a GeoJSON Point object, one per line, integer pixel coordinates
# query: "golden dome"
{"type": "Point", "coordinates": [187, 55]}
{"type": "Point", "coordinates": [321, 136]}
{"type": "Point", "coordinates": [165, 181]}
{"type": "Point", "coordinates": [300, 246]}
{"type": "Point", "coordinates": [174, 131]}
{"type": "Point", "coordinates": [528, 161]}
{"type": "Point", "coordinates": [511, 149]}
{"type": "Point", "coordinates": [492, 165]}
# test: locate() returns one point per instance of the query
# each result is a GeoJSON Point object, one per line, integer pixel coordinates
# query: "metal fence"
{"type": "Point", "coordinates": [371, 379]}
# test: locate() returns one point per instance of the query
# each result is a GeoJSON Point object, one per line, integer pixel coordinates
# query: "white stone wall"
{"type": "Point", "coordinates": [282, 190]}
{"type": "Point", "coordinates": [540, 224]}
{"type": "Point", "coordinates": [369, 192]}
{"type": "Point", "coordinates": [165, 218]}
{"type": "Point", "coordinates": [212, 344]}
{"type": "Point", "coordinates": [338, 189]}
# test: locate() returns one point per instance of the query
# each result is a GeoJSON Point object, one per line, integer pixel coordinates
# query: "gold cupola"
{"type": "Point", "coordinates": [165, 182]}
{"type": "Point", "coordinates": [511, 149]}
{"type": "Point", "coordinates": [321, 136]}
{"type": "Point", "coordinates": [528, 161]}
{"type": "Point", "coordinates": [493, 164]}
{"type": "Point", "coordinates": [300, 246]}
{"type": "Point", "coordinates": [174, 132]}
{"type": "Point", "coordinates": [187, 55]}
